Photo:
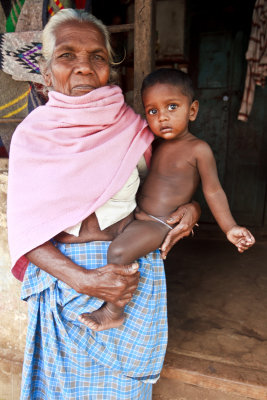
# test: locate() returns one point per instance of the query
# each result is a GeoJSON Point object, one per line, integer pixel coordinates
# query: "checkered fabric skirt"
{"type": "Point", "coordinates": [65, 360]}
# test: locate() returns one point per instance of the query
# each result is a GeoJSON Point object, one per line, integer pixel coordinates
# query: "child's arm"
{"type": "Point", "coordinates": [217, 200]}
{"type": "Point", "coordinates": [212, 189]}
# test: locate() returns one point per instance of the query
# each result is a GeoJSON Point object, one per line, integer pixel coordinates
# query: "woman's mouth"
{"type": "Point", "coordinates": [82, 88]}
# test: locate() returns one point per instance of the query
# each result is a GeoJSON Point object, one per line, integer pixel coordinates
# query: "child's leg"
{"type": "Point", "coordinates": [138, 239]}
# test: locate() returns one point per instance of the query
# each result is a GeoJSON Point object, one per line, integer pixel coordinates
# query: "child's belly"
{"type": "Point", "coordinates": [162, 196]}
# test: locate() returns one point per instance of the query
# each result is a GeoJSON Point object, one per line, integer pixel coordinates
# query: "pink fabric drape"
{"type": "Point", "coordinates": [67, 158]}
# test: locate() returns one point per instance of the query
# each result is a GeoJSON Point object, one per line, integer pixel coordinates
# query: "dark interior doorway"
{"type": "Point", "coordinates": [216, 40]}
{"type": "Point", "coordinates": [218, 34]}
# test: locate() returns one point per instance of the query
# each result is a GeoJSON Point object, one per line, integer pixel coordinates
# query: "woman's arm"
{"type": "Point", "coordinates": [185, 218]}
{"type": "Point", "coordinates": [112, 283]}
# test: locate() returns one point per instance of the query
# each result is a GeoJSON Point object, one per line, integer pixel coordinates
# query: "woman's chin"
{"type": "Point", "coordinates": [80, 91]}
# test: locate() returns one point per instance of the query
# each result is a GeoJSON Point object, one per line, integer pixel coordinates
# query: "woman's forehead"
{"type": "Point", "coordinates": [74, 31]}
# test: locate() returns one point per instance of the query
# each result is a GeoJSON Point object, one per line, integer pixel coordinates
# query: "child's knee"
{"type": "Point", "coordinates": [116, 254]}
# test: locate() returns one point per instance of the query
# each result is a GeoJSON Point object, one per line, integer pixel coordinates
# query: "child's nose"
{"type": "Point", "coordinates": [163, 116]}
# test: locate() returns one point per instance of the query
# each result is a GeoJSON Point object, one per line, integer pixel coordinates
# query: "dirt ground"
{"type": "Point", "coordinates": [217, 311]}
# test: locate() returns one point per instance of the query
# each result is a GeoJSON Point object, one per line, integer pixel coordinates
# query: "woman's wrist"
{"type": "Point", "coordinates": [48, 258]}
{"type": "Point", "coordinates": [73, 275]}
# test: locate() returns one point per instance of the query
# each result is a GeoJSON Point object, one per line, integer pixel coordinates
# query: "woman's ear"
{"type": "Point", "coordinates": [47, 79]}
{"type": "Point", "coordinates": [193, 110]}
{"type": "Point", "coordinates": [46, 74]}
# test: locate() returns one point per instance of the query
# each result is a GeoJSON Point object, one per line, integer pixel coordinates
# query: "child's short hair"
{"type": "Point", "coordinates": [170, 76]}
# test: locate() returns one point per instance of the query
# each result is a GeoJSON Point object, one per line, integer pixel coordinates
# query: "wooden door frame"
{"type": "Point", "coordinates": [144, 40]}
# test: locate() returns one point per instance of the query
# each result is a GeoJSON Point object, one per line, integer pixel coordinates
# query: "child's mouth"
{"type": "Point", "coordinates": [165, 129]}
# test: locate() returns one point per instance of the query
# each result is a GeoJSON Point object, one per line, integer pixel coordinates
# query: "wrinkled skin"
{"type": "Point", "coordinates": [80, 60]}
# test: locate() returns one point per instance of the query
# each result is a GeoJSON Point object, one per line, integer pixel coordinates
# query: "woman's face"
{"type": "Point", "coordinates": [80, 60]}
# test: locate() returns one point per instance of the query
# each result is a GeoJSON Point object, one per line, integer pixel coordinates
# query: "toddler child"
{"type": "Point", "coordinates": [178, 164]}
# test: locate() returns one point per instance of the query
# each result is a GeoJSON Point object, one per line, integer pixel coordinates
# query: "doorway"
{"type": "Point", "coordinates": [218, 40]}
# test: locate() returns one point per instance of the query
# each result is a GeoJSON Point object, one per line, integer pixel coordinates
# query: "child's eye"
{"type": "Point", "coordinates": [153, 111]}
{"type": "Point", "coordinates": [172, 106]}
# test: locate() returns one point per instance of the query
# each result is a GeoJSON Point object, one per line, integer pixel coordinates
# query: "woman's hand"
{"type": "Point", "coordinates": [184, 219]}
{"type": "Point", "coordinates": [112, 283]}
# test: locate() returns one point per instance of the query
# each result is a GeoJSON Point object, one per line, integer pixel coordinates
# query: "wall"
{"type": "Point", "coordinates": [170, 20]}
{"type": "Point", "coordinates": [13, 312]}
{"type": "Point", "coordinates": [170, 15]}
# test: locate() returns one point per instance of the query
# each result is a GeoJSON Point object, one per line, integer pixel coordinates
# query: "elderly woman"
{"type": "Point", "coordinates": [72, 184]}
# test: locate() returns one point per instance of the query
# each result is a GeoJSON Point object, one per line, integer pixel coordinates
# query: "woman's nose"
{"type": "Point", "coordinates": [83, 67]}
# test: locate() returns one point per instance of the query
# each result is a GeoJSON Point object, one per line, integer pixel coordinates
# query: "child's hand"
{"type": "Point", "coordinates": [241, 238]}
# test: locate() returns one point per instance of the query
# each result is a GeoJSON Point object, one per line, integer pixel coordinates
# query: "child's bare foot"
{"type": "Point", "coordinates": [106, 317]}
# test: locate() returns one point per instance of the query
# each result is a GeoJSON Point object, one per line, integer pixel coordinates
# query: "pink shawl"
{"type": "Point", "coordinates": [67, 158]}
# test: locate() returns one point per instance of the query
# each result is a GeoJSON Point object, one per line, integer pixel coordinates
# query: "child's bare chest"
{"type": "Point", "coordinates": [171, 159]}
{"type": "Point", "coordinates": [173, 178]}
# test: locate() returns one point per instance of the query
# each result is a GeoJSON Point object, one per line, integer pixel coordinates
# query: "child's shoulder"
{"type": "Point", "coordinates": [200, 147]}
{"type": "Point", "coordinates": [198, 143]}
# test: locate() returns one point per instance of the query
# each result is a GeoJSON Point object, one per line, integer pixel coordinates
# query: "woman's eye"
{"type": "Point", "coordinates": [172, 106]}
{"type": "Point", "coordinates": [153, 111]}
{"type": "Point", "coordinates": [97, 58]}
{"type": "Point", "coordinates": [65, 55]}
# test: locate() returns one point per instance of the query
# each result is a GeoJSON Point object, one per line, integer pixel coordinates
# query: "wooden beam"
{"type": "Point", "coordinates": [144, 49]}
{"type": "Point", "coordinates": [120, 28]}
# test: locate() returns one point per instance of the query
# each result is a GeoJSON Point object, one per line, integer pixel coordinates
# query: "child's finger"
{"type": "Point", "coordinates": [248, 236]}
{"type": "Point", "coordinates": [241, 248]}
{"type": "Point", "coordinates": [249, 241]}
{"type": "Point", "coordinates": [243, 245]}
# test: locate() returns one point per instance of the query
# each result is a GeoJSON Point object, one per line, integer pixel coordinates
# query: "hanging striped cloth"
{"type": "Point", "coordinates": [256, 57]}
{"type": "Point", "coordinates": [12, 18]}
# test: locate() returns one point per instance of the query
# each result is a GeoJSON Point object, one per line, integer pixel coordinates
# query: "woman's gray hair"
{"type": "Point", "coordinates": [70, 15]}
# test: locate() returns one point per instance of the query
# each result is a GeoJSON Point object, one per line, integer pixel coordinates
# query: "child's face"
{"type": "Point", "coordinates": [168, 110]}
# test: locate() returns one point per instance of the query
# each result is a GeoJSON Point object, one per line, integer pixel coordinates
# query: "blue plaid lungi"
{"type": "Point", "coordinates": [65, 360]}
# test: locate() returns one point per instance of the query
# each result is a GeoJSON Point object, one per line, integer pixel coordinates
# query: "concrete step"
{"type": "Point", "coordinates": [189, 378]}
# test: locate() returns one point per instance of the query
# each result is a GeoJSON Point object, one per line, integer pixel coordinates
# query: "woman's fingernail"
{"type": "Point", "coordinates": [135, 266]}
